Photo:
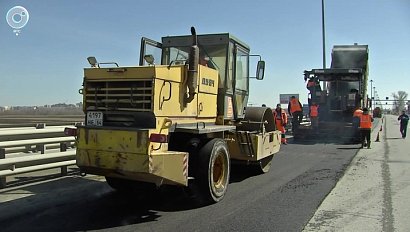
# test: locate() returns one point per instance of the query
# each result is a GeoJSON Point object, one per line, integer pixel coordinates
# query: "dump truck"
{"type": "Point", "coordinates": [346, 90]}
{"type": "Point", "coordinates": [179, 118]}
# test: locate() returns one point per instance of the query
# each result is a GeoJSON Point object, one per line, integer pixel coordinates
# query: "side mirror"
{"type": "Point", "coordinates": [260, 70]}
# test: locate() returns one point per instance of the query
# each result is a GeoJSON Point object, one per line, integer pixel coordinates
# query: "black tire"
{"type": "Point", "coordinates": [213, 171]}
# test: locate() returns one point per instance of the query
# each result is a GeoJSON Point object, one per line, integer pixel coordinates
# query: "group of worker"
{"type": "Point", "coordinates": [295, 109]}
{"type": "Point", "coordinates": [362, 120]}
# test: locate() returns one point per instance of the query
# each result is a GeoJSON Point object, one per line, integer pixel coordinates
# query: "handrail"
{"type": "Point", "coordinates": [36, 168]}
{"type": "Point", "coordinates": [25, 131]}
{"type": "Point", "coordinates": [40, 137]}
{"type": "Point", "coordinates": [27, 161]}
{"type": "Point", "coordinates": [20, 134]}
{"type": "Point", "coordinates": [7, 144]}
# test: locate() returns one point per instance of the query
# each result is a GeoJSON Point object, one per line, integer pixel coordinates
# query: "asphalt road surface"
{"type": "Point", "coordinates": [284, 199]}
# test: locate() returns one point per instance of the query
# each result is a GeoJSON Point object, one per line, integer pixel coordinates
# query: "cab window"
{"type": "Point", "coordinates": [241, 70]}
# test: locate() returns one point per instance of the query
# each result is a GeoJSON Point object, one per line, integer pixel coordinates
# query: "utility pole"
{"type": "Point", "coordinates": [323, 40]}
{"type": "Point", "coordinates": [323, 34]}
{"type": "Point", "coordinates": [371, 94]}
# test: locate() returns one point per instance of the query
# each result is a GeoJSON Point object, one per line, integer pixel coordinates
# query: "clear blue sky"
{"type": "Point", "coordinates": [43, 65]}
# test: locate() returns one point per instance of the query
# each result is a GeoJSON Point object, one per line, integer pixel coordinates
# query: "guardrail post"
{"type": "Point", "coordinates": [28, 148]}
{"type": "Point", "coordinates": [40, 125]}
{"type": "Point", "coordinates": [64, 171]}
{"type": "Point", "coordinates": [41, 148]}
{"type": "Point", "coordinates": [63, 147]}
{"type": "Point", "coordinates": [2, 178]}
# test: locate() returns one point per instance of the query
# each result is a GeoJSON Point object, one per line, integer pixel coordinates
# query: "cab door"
{"type": "Point", "coordinates": [150, 47]}
{"type": "Point", "coordinates": [241, 81]}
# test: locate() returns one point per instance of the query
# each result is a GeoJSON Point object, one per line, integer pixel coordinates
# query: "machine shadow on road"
{"type": "Point", "coordinates": [80, 204]}
{"type": "Point", "coordinates": [72, 203]}
{"type": "Point", "coordinates": [241, 172]}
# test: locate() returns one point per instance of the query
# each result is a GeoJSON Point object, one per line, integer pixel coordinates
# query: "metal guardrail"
{"type": "Point", "coordinates": [31, 125]}
{"type": "Point", "coordinates": [13, 134]}
{"type": "Point", "coordinates": [18, 165]}
{"type": "Point", "coordinates": [37, 162]}
{"type": "Point", "coordinates": [40, 143]}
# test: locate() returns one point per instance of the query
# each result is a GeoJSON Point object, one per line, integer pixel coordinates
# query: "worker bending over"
{"type": "Point", "coordinates": [281, 119]}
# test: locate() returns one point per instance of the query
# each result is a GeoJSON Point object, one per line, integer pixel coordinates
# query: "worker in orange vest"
{"type": "Point", "coordinates": [281, 119]}
{"type": "Point", "coordinates": [314, 117]}
{"type": "Point", "coordinates": [295, 109]}
{"type": "Point", "coordinates": [366, 127]}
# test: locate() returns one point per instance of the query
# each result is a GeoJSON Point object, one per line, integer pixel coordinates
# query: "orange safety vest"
{"type": "Point", "coordinates": [283, 117]}
{"type": "Point", "coordinates": [294, 105]}
{"type": "Point", "coordinates": [365, 121]}
{"type": "Point", "coordinates": [314, 111]}
{"type": "Point", "coordinates": [357, 113]}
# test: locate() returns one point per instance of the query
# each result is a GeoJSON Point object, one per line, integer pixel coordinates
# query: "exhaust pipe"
{"type": "Point", "coordinates": [192, 81]}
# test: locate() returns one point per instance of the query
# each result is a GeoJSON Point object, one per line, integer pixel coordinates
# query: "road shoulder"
{"type": "Point", "coordinates": [356, 202]}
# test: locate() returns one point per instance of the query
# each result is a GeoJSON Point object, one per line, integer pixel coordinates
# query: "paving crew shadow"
{"type": "Point", "coordinates": [321, 140]}
{"type": "Point", "coordinates": [304, 141]}
{"type": "Point", "coordinates": [354, 145]}
{"type": "Point", "coordinates": [349, 148]}
{"type": "Point", "coordinates": [393, 138]}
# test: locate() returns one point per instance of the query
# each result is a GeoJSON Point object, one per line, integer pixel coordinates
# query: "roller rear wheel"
{"type": "Point", "coordinates": [213, 171]}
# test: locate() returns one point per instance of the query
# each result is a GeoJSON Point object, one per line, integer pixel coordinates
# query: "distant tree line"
{"type": "Point", "coordinates": [400, 102]}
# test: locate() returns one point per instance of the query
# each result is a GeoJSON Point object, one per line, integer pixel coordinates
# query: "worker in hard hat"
{"type": "Point", "coordinates": [281, 119]}
{"type": "Point", "coordinates": [295, 109]}
{"type": "Point", "coordinates": [366, 127]}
